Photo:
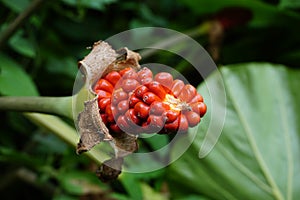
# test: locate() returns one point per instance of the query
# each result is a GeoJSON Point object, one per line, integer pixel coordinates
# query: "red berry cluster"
{"type": "Point", "coordinates": [137, 102]}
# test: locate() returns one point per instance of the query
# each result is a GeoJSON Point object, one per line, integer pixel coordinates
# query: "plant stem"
{"type": "Point", "coordinates": [61, 106]}
{"type": "Point", "coordinates": [202, 29]}
{"type": "Point", "coordinates": [65, 132]}
{"type": "Point", "coordinates": [22, 17]}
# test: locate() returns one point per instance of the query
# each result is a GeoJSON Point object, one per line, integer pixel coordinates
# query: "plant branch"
{"type": "Point", "coordinates": [65, 132]}
{"type": "Point", "coordinates": [203, 29]}
{"type": "Point", "coordinates": [22, 17]}
{"type": "Point", "coordinates": [61, 106]}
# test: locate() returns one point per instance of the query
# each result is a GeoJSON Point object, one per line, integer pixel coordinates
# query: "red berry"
{"type": "Point", "coordinates": [142, 110]}
{"type": "Point", "coordinates": [149, 97]}
{"type": "Point", "coordinates": [183, 124]}
{"type": "Point", "coordinates": [133, 100]}
{"type": "Point", "coordinates": [122, 123]}
{"type": "Point", "coordinates": [131, 117]}
{"type": "Point", "coordinates": [158, 108]}
{"type": "Point", "coordinates": [122, 107]}
{"type": "Point", "coordinates": [193, 118]}
{"type": "Point", "coordinates": [102, 103]}
{"type": "Point", "coordinates": [139, 92]}
{"type": "Point", "coordinates": [129, 74]}
{"type": "Point", "coordinates": [104, 118]}
{"type": "Point", "coordinates": [187, 93]}
{"type": "Point", "coordinates": [197, 98]}
{"type": "Point", "coordinates": [105, 85]}
{"type": "Point", "coordinates": [113, 77]}
{"type": "Point", "coordinates": [115, 128]}
{"type": "Point", "coordinates": [199, 108]}
{"type": "Point", "coordinates": [165, 79]}
{"type": "Point", "coordinates": [109, 113]}
{"type": "Point", "coordinates": [177, 87]}
{"type": "Point", "coordinates": [123, 71]}
{"type": "Point", "coordinates": [145, 75]}
{"type": "Point", "coordinates": [171, 127]}
{"type": "Point", "coordinates": [156, 88]}
{"type": "Point", "coordinates": [171, 115]}
{"type": "Point", "coordinates": [118, 96]}
{"type": "Point", "coordinates": [154, 124]}
{"type": "Point", "coordinates": [102, 94]}
{"type": "Point", "coordinates": [129, 85]}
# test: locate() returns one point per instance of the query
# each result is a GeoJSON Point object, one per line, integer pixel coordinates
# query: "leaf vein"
{"type": "Point", "coordinates": [258, 156]}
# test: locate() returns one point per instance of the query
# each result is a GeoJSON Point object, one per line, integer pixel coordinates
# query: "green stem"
{"type": "Point", "coordinates": [7, 33]}
{"type": "Point", "coordinates": [203, 29]}
{"type": "Point", "coordinates": [61, 106]}
{"type": "Point", "coordinates": [65, 132]}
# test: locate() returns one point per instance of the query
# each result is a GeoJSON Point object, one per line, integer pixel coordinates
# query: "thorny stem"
{"type": "Point", "coordinates": [22, 17]}
{"type": "Point", "coordinates": [61, 106]}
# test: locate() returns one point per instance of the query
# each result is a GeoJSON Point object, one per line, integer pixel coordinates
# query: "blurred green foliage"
{"type": "Point", "coordinates": [42, 55]}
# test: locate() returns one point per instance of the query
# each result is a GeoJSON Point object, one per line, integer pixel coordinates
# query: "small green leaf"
{"type": "Point", "coordinates": [157, 141]}
{"type": "Point", "coordinates": [64, 197]}
{"type": "Point", "coordinates": [258, 153]}
{"type": "Point", "coordinates": [80, 183]}
{"type": "Point", "coordinates": [263, 13]}
{"type": "Point", "coordinates": [16, 5]}
{"type": "Point", "coordinates": [49, 144]}
{"type": "Point", "coordinates": [193, 197]}
{"type": "Point", "coordinates": [292, 4]}
{"type": "Point", "coordinates": [130, 180]}
{"type": "Point", "coordinates": [150, 194]}
{"type": "Point", "coordinates": [22, 45]}
{"type": "Point", "coordinates": [13, 79]}
{"type": "Point", "coordinates": [93, 4]}
{"type": "Point", "coordinates": [65, 66]}
{"type": "Point", "coordinates": [8, 155]}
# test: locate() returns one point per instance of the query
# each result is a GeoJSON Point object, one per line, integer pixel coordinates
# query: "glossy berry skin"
{"type": "Point", "coordinates": [141, 110]}
{"type": "Point", "coordinates": [171, 115]}
{"type": "Point", "coordinates": [102, 103]}
{"type": "Point", "coordinates": [105, 85]}
{"type": "Point", "coordinates": [150, 97]}
{"type": "Point", "coordinates": [140, 91]}
{"type": "Point", "coordinates": [177, 86]}
{"type": "Point", "coordinates": [187, 93]}
{"type": "Point", "coordinates": [113, 77]}
{"type": "Point", "coordinates": [136, 102]}
{"type": "Point", "coordinates": [118, 96]}
{"type": "Point", "coordinates": [164, 78]}
{"type": "Point", "coordinates": [192, 118]}
{"type": "Point", "coordinates": [158, 108]}
{"type": "Point", "coordinates": [145, 75]}
{"type": "Point", "coordinates": [183, 124]}
{"type": "Point", "coordinates": [156, 88]}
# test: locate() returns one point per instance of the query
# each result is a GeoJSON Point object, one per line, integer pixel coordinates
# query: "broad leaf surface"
{"type": "Point", "coordinates": [263, 13]}
{"type": "Point", "coordinates": [16, 5]}
{"type": "Point", "coordinates": [258, 153]}
{"type": "Point", "coordinates": [13, 79]}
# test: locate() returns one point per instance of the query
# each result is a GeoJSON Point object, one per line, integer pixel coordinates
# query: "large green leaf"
{"type": "Point", "coordinates": [16, 5]}
{"type": "Point", "coordinates": [263, 13]}
{"type": "Point", "coordinates": [293, 4]}
{"type": "Point", "coordinates": [258, 153]}
{"type": "Point", "coordinates": [22, 45]}
{"type": "Point", "coordinates": [93, 4]}
{"type": "Point", "coordinates": [13, 79]}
